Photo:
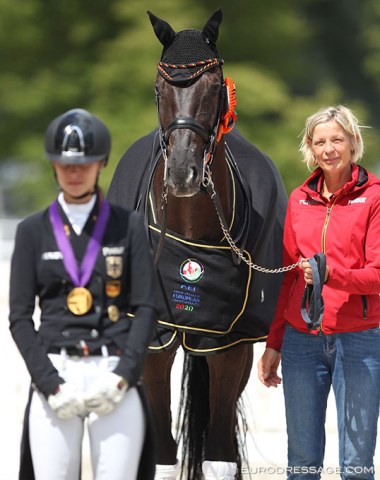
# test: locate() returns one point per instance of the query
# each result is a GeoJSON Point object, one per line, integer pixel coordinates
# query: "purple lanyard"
{"type": "Point", "coordinates": [79, 275]}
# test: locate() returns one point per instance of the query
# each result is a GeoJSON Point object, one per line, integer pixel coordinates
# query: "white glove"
{"type": "Point", "coordinates": [106, 393]}
{"type": "Point", "coordinates": [67, 402]}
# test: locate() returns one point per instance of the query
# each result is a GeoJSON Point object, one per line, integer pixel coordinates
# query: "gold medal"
{"type": "Point", "coordinates": [113, 313]}
{"type": "Point", "coordinates": [79, 301]}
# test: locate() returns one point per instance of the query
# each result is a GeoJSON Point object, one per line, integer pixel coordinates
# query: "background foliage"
{"type": "Point", "coordinates": [287, 59]}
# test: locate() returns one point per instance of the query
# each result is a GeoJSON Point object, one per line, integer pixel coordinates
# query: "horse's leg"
{"type": "Point", "coordinates": [157, 371]}
{"type": "Point", "coordinates": [229, 374]}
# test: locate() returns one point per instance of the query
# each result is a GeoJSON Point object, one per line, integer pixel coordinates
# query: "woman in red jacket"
{"type": "Point", "coordinates": [336, 211]}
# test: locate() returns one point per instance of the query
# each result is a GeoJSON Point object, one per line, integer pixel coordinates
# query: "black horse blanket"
{"type": "Point", "coordinates": [207, 300]}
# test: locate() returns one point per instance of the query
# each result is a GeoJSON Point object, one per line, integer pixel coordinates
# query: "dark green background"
{"type": "Point", "coordinates": [287, 58]}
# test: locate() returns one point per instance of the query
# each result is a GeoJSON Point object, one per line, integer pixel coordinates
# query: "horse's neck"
{"type": "Point", "coordinates": [195, 217]}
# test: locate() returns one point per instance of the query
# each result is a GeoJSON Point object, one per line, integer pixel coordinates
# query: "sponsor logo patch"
{"type": "Point", "coordinates": [191, 270]}
{"type": "Point", "coordinates": [357, 200]}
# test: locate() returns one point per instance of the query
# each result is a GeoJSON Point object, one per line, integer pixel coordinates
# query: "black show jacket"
{"type": "Point", "coordinates": [37, 270]}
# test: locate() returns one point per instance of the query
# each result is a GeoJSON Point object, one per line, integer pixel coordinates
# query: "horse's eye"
{"type": "Point", "coordinates": [215, 89]}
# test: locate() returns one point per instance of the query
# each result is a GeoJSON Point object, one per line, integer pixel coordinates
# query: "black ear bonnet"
{"type": "Point", "coordinates": [188, 53]}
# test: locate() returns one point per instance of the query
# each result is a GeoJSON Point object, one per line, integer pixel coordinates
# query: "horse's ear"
{"type": "Point", "coordinates": [211, 29]}
{"type": "Point", "coordinates": [162, 29]}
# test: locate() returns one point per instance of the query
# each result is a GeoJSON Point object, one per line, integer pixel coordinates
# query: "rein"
{"type": "Point", "coordinates": [164, 205]}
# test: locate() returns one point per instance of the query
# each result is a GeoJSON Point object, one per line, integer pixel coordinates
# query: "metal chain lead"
{"type": "Point", "coordinates": [259, 268]}
{"type": "Point", "coordinates": [207, 182]}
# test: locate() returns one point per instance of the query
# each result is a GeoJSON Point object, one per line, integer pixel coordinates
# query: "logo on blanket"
{"type": "Point", "coordinates": [191, 270]}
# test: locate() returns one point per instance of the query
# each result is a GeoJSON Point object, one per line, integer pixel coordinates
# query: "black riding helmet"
{"type": "Point", "coordinates": [77, 137]}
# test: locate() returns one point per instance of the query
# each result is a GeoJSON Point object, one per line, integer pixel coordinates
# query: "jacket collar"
{"type": "Point", "coordinates": [313, 184]}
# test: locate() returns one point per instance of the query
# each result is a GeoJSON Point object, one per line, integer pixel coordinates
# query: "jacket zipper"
{"type": "Point", "coordinates": [327, 219]}
{"type": "Point", "coordinates": [329, 208]}
{"type": "Point", "coordinates": [323, 239]}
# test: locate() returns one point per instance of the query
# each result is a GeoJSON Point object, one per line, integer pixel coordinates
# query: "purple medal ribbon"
{"type": "Point", "coordinates": [80, 275]}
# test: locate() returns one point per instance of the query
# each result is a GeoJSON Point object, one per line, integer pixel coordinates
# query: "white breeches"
{"type": "Point", "coordinates": [116, 439]}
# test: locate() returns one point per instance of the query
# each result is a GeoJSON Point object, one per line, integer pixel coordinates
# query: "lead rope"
{"type": "Point", "coordinates": [312, 305]}
{"type": "Point", "coordinates": [209, 186]}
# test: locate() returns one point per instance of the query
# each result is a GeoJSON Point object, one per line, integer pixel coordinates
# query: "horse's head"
{"type": "Point", "coordinates": [193, 102]}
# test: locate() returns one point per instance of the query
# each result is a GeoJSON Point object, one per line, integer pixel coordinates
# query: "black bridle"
{"type": "Point", "coordinates": [188, 123]}
{"type": "Point", "coordinates": [208, 136]}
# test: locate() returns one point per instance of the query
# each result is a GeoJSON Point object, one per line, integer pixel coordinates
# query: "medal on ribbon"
{"type": "Point", "coordinates": [79, 299]}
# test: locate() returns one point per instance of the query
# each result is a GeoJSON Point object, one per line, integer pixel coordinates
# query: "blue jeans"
{"type": "Point", "coordinates": [350, 362]}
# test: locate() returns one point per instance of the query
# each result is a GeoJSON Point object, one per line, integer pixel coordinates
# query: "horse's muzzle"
{"type": "Point", "coordinates": [183, 182]}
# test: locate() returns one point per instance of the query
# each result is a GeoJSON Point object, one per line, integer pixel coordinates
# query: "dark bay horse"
{"type": "Point", "coordinates": [213, 204]}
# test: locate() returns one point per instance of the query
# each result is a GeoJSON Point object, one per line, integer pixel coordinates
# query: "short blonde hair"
{"type": "Point", "coordinates": [345, 118]}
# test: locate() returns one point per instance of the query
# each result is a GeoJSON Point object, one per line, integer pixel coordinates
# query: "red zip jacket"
{"type": "Point", "coordinates": [347, 229]}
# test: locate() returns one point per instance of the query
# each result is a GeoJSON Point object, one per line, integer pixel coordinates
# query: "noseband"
{"type": "Point", "coordinates": [187, 123]}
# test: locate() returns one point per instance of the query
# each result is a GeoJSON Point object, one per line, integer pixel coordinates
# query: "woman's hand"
{"type": "Point", "coordinates": [107, 391]}
{"type": "Point", "coordinates": [67, 402]}
{"type": "Point", "coordinates": [267, 368]}
{"type": "Point", "coordinates": [308, 274]}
